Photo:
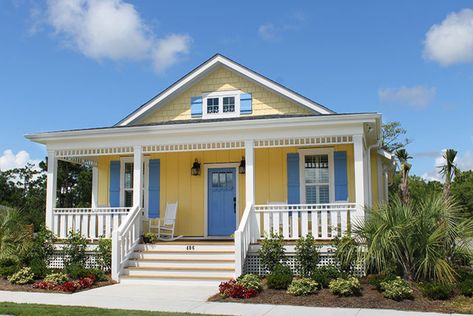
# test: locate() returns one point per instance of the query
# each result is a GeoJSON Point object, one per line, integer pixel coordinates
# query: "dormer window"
{"type": "Point", "coordinates": [221, 104]}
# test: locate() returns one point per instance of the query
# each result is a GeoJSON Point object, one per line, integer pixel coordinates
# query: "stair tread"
{"type": "Point", "coordinates": [174, 277]}
{"type": "Point", "coordinates": [184, 251]}
{"type": "Point", "coordinates": [180, 268]}
{"type": "Point", "coordinates": [182, 259]}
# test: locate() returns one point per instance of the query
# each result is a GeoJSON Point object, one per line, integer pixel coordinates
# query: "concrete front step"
{"type": "Point", "coordinates": [221, 273]}
{"type": "Point", "coordinates": [185, 281]}
{"type": "Point", "coordinates": [183, 254]}
{"type": "Point", "coordinates": [183, 263]}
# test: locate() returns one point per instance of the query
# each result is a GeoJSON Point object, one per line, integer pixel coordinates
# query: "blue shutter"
{"type": "Point", "coordinates": [114, 183]}
{"type": "Point", "coordinates": [246, 106]}
{"type": "Point", "coordinates": [154, 188]}
{"type": "Point", "coordinates": [196, 106]}
{"type": "Point", "coordinates": [341, 178]}
{"type": "Point", "coordinates": [293, 179]}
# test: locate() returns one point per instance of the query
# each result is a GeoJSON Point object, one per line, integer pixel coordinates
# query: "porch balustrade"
{"type": "Point", "coordinates": [91, 223]}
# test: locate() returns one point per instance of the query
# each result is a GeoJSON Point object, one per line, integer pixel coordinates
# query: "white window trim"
{"type": "Point", "coordinates": [124, 160]}
{"type": "Point", "coordinates": [331, 170]}
{"type": "Point", "coordinates": [221, 95]}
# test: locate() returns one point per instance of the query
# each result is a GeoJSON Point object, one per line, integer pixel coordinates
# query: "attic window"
{"type": "Point", "coordinates": [221, 104]}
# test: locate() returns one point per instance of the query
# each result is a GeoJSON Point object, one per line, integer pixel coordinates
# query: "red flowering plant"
{"type": "Point", "coordinates": [233, 289]}
{"type": "Point", "coordinates": [44, 285]}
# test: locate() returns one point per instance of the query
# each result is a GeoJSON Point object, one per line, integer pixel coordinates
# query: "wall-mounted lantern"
{"type": "Point", "coordinates": [195, 170]}
{"type": "Point", "coordinates": [242, 167]}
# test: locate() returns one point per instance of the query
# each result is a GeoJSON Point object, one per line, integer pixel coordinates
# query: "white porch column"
{"type": "Point", "coordinates": [95, 186]}
{"type": "Point", "coordinates": [51, 186]}
{"type": "Point", "coordinates": [250, 172]}
{"type": "Point", "coordinates": [359, 177]}
{"type": "Point", "coordinates": [137, 175]}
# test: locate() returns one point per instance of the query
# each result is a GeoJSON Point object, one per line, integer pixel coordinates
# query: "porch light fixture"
{"type": "Point", "coordinates": [242, 167]}
{"type": "Point", "coordinates": [195, 170]}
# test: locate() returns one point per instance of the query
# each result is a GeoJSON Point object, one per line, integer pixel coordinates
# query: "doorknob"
{"type": "Point", "coordinates": [234, 205]}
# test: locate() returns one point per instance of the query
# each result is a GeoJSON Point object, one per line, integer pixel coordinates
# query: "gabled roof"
{"type": "Point", "coordinates": [200, 72]}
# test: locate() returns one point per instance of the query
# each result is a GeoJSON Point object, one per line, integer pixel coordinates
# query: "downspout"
{"type": "Point", "coordinates": [370, 193]}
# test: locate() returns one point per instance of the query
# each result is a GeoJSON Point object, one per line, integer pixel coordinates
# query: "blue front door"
{"type": "Point", "coordinates": [221, 201]}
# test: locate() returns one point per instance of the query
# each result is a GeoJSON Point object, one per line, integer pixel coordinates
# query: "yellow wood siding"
{"type": "Point", "coordinates": [264, 101]}
{"type": "Point", "coordinates": [177, 184]}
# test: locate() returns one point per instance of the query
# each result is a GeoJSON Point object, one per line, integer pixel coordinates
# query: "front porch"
{"type": "Point", "coordinates": [291, 185]}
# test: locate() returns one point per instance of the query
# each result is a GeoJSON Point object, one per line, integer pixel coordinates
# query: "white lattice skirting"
{"type": "Point", "coordinates": [56, 261]}
{"type": "Point", "coordinates": [252, 264]}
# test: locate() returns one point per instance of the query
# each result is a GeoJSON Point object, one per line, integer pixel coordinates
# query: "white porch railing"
{"type": "Point", "coordinates": [91, 223]}
{"type": "Point", "coordinates": [323, 221]}
{"type": "Point", "coordinates": [124, 241]}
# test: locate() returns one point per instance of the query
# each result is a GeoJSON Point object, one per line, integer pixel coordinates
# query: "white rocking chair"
{"type": "Point", "coordinates": [167, 224]}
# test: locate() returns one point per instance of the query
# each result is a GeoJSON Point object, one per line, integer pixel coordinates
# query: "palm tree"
{"type": "Point", "coordinates": [403, 157]}
{"type": "Point", "coordinates": [421, 239]}
{"type": "Point", "coordinates": [448, 170]}
{"type": "Point", "coordinates": [14, 235]}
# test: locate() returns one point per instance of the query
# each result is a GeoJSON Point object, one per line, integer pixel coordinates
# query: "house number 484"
{"type": "Point", "coordinates": [190, 247]}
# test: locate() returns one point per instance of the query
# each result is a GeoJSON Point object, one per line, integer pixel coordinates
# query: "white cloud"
{"type": "Point", "coordinates": [9, 160]}
{"type": "Point", "coordinates": [464, 162]}
{"type": "Point", "coordinates": [451, 41]}
{"type": "Point", "coordinates": [417, 96]}
{"type": "Point", "coordinates": [274, 31]}
{"type": "Point", "coordinates": [112, 29]}
{"type": "Point", "coordinates": [267, 31]}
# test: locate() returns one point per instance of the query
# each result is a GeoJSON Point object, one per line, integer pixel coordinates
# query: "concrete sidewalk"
{"type": "Point", "coordinates": [182, 299]}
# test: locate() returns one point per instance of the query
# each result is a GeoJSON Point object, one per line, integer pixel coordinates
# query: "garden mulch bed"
{"type": "Point", "coordinates": [7, 286]}
{"type": "Point", "coordinates": [370, 298]}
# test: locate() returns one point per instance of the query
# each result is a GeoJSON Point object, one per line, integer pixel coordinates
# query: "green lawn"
{"type": "Point", "coordinates": [53, 310]}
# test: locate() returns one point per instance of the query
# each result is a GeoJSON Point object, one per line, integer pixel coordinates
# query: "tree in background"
{"type": "Point", "coordinates": [402, 157]}
{"type": "Point", "coordinates": [393, 137]}
{"type": "Point", "coordinates": [448, 170]}
{"type": "Point", "coordinates": [25, 189]}
{"type": "Point", "coordinates": [462, 190]}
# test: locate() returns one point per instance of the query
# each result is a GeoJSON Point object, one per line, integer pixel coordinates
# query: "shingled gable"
{"type": "Point", "coordinates": [201, 72]}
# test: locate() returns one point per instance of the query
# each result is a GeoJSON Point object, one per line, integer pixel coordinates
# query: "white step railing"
{"type": "Point", "coordinates": [246, 233]}
{"type": "Point", "coordinates": [323, 221]}
{"type": "Point", "coordinates": [91, 223]}
{"type": "Point", "coordinates": [124, 241]}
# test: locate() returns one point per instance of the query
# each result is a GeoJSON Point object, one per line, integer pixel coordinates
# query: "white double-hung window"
{"type": "Point", "coordinates": [221, 104]}
{"type": "Point", "coordinates": [317, 176]}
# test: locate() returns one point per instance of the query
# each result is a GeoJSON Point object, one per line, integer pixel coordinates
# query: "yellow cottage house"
{"type": "Point", "coordinates": [240, 155]}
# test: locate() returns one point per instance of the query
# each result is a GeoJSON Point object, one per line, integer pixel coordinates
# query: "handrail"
{"type": "Point", "coordinates": [124, 241]}
{"type": "Point", "coordinates": [244, 235]}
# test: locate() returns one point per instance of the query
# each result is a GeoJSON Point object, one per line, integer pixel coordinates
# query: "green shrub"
{"type": "Point", "coordinates": [347, 253]}
{"type": "Point", "coordinates": [39, 268]}
{"type": "Point", "coordinates": [272, 251]}
{"type": "Point", "coordinates": [98, 274]}
{"type": "Point", "coordinates": [345, 287]}
{"type": "Point", "coordinates": [56, 278]}
{"type": "Point", "coordinates": [437, 291]}
{"type": "Point", "coordinates": [323, 275]}
{"type": "Point", "coordinates": [397, 289]}
{"type": "Point", "coordinates": [377, 280]}
{"type": "Point", "coordinates": [280, 278]}
{"type": "Point", "coordinates": [104, 251]}
{"type": "Point", "coordinates": [74, 249]}
{"type": "Point", "coordinates": [303, 286]}
{"type": "Point", "coordinates": [149, 238]}
{"type": "Point", "coordinates": [23, 276]}
{"type": "Point", "coordinates": [466, 287]}
{"type": "Point", "coordinates": [9, 265]}
{"type": "Point", "coordinates": [307, 255]}
{"type": "Point", "coordinates": [40, 250]}
{"type": "Point", "coordinates": [250, 281]}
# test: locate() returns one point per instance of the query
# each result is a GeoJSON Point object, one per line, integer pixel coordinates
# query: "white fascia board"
{"type": "Point", "coordinates": [385, 154]}
{"type": "Point", "coordinates": [207, 66]}
{"type": "Point", "coordinates": [212, 131]}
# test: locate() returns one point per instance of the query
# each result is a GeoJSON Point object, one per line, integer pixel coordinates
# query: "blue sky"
{"type": "Point", "coordinates": [84, 63]}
